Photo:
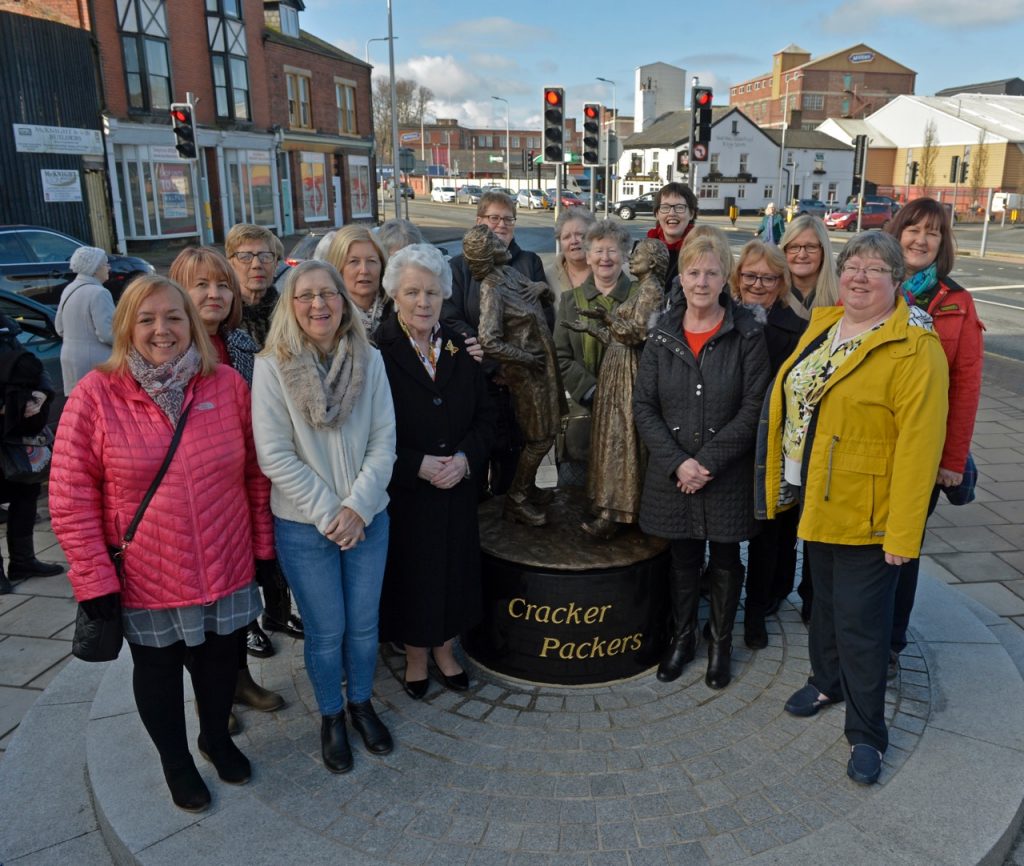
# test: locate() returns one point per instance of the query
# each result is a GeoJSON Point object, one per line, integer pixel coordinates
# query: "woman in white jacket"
{"type": "Point", "coordinates": [85, 316]}
{"type": "Point", "coordinates": [324, 426]}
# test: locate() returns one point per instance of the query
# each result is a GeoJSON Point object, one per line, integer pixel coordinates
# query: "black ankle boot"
{"type": "Point", "coordinates": [719, 656]}
{"type": "Point", "coordinates": [231, 765]}
{"type": "Point", "coordinates": [24, 563]}
{"type": "Point", "coordinates": [755, 635]}
{"type": "Point", "coordinates": [334, 747]}
{"type": "Point", "coordinates": [376, 736]}
{"type": "Point", "coordinates": [684, 589]}
{"type": "Point", "coordinates": [188, 790]}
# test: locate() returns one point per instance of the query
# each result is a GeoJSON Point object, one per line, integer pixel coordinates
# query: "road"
{"type": "Point", "coordinates": [996, 282]}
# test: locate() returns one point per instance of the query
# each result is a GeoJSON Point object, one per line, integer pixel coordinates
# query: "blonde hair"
{"type": "Point", "coordinates": [826, 289]}
{"type": "Point", "coordinates": [127, 311]}
{"type": "Point", "coordinates": [242, 232]}
{"type": "Point", "coordinates": [342, 242]}
{"type": "Point", "coordinates": [183, 271]}
{"type": "Point", "coordinates": [756, 250]}
{"type": "Point", "coordinates": [707, 239]}
{"type": "Point", "coordinates": [286, 339]}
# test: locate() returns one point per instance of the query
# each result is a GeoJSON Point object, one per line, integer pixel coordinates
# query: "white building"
{"type": "Point", "coordinates": [660, 88]}
{"type": "Point", "coordinates": [743, 166]}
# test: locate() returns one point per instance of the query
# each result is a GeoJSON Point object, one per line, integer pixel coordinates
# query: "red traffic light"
{"type": "Point", "coordinates": [702, 96]}
{"type": "Point", "coordinates": [590, 111]}
{"type": "Point", "coordinates": [179, 115]}
{"type": "Point", "coordinates": [553, 97]}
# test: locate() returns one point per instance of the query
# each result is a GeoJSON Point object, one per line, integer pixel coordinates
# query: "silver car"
{"type": "Point", "coordinates": [533, 198]}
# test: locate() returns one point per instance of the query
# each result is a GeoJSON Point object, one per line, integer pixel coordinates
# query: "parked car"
{"type": "Point", "coordinates": [34, 261]}
{"type": "Point", "coordinates": [570, 199]}
{"type": "Point", "coordinates": [877, 199]}
{"type": "Point", "coordinates": [407, 191]}
{"type": "Point", "coordinates": [628, 208]}
{"type": "Point", "coordinates": [533, 199]}
{"type": "Point", "coordinates": [812, 206]}
{"type": "Point", "coordinates": [443, 193]}
{"type": "Point", "coordinates": [469, 194]}
{"type": "Point", "coordinates": [39, 336]}
{"type": "Point", "coordinates": [598, 202]}
{"type": "Point", "coordinates": [875, 216]}
{"type": "Point", "coordinates": [303, 250]}
{"type": "Point", "coordinates": [495, 188]}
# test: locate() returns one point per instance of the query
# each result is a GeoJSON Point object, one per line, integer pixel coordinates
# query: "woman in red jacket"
{"type": "Point", "coordinates": [187, 585]}
{"type": "Point", "coordinates": [929, 251]}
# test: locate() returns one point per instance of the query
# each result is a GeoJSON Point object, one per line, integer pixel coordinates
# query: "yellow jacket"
{"type": "Point", "coordinates": [874, 443]}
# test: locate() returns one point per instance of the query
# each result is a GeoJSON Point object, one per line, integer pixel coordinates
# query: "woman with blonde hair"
{"type": "Point", "coordinates": [324, 426]}
{"type": "Point", "coordinates": [357, 255]}
{"type": "Point", "coordinates": [808, 252]}
{"type": "Point", "coordinates": [184, 589]}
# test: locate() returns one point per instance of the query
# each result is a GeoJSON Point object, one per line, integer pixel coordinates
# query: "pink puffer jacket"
{"type": "Point", "coordinates": [210, 516]}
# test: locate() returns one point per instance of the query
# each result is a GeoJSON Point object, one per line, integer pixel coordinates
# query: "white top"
{"type": "Point", "coordinates": [84, 319]}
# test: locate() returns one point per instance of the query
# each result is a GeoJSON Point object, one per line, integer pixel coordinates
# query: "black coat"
{"type": "Point", "coordinates": [782, 333]}
{"type": "Point", "coordinates": [432, 581]}
{"type": "Point", "coordinates": [707, 409]}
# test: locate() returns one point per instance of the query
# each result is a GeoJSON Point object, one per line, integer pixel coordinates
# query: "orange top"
{"type": "Point", "coordinates": [696, 340]}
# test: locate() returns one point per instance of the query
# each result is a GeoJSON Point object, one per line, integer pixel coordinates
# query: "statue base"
{"type": "Point", "coordinates": [561, 607]}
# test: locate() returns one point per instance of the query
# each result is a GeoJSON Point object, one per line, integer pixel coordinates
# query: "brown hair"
{"type": "Point", "coordinates": [757, 250]}
{"type": "Point", "coordinates": [931, 212]}
{"type": "Point", "coordinates": [242, 232]}
{"type": "Point", "coordinates": [493, 196]}
{"type": "Point", "coordinates": [191, 259]}
{"type": "Point", "coordinates": [127, 311]}
{"type": "Point", "coordinates": [683, 191]}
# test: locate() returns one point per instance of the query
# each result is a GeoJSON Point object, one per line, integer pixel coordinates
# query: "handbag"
{"type": "Point", "coordinates": [26, 459]}
{"type": "Point", "coordinates": [99, 640]}
{"type": "Point", "coordinates": [963, 493]}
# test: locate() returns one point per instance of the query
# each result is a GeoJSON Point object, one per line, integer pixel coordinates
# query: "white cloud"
{"type": "Point", "coordinates": [942, 13]}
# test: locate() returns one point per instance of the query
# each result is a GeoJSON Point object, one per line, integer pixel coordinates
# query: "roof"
{"type": "Point", "coordinates": [793, 48]}
{"type": "Point", "coordinates": [806, 139]}
{"type": "Point", "coordinates": [1008, 86]}
{"type": "Point", "coordinates": [308, 42]}
{"type": "Point", "coordinates": [671, 129]}
{"type": "Point", "coordinates": [998, 114]}
{"type": "Point", "coordinates": [813, 61]}
{"type": "Point", "coordinates": [852, 127]}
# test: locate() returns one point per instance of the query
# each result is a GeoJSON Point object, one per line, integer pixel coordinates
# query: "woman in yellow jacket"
{"type": "Point", "coordinates": [853, 429]}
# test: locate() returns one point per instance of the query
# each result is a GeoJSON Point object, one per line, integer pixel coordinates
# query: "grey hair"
{"type": "Point", "coordinates": [608, 228]}
{"type": "Point", "coordinates": [423, 256]}
{"type": "Point", "coordinates": [569, 214]}
{"type": "Point", "coordinates": [878, 245]}
{"type": "Point", "coordinates": [397, 233]}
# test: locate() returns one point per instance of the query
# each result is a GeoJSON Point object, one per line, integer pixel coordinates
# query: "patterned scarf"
{"type": "Point", "coordinates": [166, 383]}
{"type": "Point", "coordinates": [918, 289]}
{"type": "Point", "coordinates": [325, 393]}
{"type": "Point", "coordinates": [372, 317]}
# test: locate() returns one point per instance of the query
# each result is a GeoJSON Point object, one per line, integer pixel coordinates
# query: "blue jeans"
{"type": "Point", "coordinates": [338, 594]}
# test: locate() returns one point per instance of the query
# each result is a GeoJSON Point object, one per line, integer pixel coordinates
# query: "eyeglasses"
{"type": "Point", "coordinates": [327, 295]}
{"type": "Point", "coordinates": [673, 208]}
{"type": "Point", "coordinates": [265, 258]}
{"type": "Point", "coordinates": [767, 280]}
{"type": "Point", "coordinates": [505, 221]}
{"type": "Point", "coordinates": [796, 249]}
{"type": "Point", "coordinates": [872, 272]}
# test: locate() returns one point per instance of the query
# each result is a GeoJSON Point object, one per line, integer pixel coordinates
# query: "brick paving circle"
{"type": "Point", "coordinates": [633, 773]}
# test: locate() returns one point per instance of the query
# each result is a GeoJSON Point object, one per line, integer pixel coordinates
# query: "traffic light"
{"type": "Point", "coordinates": [183, 124]}
{"type": "Point", "coordinates": [964, 166]}
{"type": "Point", "coordinates": [700, 109]}
{"type": "Point", "coordinates": [591, 133]}
{"type": "Point", "coordinates": [954, 168]}
{"type": "Point", "coordinates": [913, 171]}
{"type": "Point", "coordinates": [554, 124]}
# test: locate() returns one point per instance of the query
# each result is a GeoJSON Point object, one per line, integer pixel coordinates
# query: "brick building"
{"type": "Point", "coordinates": [853, 82]}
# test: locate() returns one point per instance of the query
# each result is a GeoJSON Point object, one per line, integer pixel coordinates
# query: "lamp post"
{"type": "Point", "coordinates": [507, 164]}
{"type": "Point", "coordinates": [390, 40]}
{"type": "Point", "coordinates": [375, 39]}
{"type": "Point", "coordinates": [782, 146]}
{"type": "Point", "coordinates": [608, 149]}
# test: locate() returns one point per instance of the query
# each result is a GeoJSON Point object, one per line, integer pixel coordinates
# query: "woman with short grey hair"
{"type": "Point", "coordinates": [418, 255]}
{"type": "Point", "coordinates": [397, 233]}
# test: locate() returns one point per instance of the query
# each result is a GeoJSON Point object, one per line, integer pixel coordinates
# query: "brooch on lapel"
{"type": "Point", "coordinates": [451, 348]}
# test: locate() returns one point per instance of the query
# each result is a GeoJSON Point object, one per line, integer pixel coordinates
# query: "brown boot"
{"type": "Point", "coordinates": [251, 694]}
{"type": "Point", "coordinates": [519, 510]}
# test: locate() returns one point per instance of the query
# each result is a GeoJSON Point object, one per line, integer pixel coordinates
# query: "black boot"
{"type": "Point", "coordinates": [231, 765]}
{"type": "Point", "coordinates": [334, 747]}
{"type": "Point", "coordinates": [188, 790]}
{"type": "Point", "coordinates": [755, 634]}
{"type": "Point", "coordinates": [278, 614]}
{"type": "Point", "coordinates": [376, 736]}
{"type": "Point", "coordinates": [24, 563]}
{"type": "Point", "coordinates": [684, 588]}
{"type": "Point", "coordinates": [725, 598]}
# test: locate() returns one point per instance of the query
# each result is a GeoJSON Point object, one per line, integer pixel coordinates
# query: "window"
{"type": "Point", "coordinates": [832, 189]}
{"type": "Point", "coordinates": [515, 141]}
{"type": "Point", "coordinates": [228, 56]}
{"type": "Point", "coordinates": [485, 141]}
{"type": "Point", "coordinates": [816, 190]}
{"type": "Point", "coordinates": [345, 97]}
{"type": "Point", "coordinates": [741, 191]}
{"type": "Point", "coordinates": [534, 142]}
{"type": "Point", "coordinates": [769, 191]}
{"type": "Point", "coordinates": [289, 20]}
{"type": "Point", "coordinates": [709, 190]}
{"type": "Point", "coordinates": [147, 66]}
{"type": "Point", "coordinates": [299, 88]}
{"type": "Point", "coordinates": [845, 107]}
{"type": "Point", "coordinates": [814, 101]}
{"type": "Point", "coordinates": [713, 164]}
{"type": "Point", "coordinates": [313, 182]}
{"type": "Point", "coordinates": [744, 157]}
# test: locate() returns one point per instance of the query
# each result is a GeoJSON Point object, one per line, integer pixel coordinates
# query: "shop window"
{"type": "Point", "coordinates": [313, 183]}
{"type": "Point", "coordinates": [228, 56]}
{"type": "Point", "coordinates": [345, 98]}
{"type": "Point", "coordinates": [299, 88]}
{"type": "Point", "coordinates": [147, 66]}
{"type": "Point", "coordinates": [360, 189]}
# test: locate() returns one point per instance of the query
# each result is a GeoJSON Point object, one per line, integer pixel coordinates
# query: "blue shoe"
{"type": "Point", "coordinates": [807, 701]}
{"type": "Point", "coordinates": [865, 765]}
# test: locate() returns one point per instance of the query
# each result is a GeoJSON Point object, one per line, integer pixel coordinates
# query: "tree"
{"type": "Point", "coordinates": [929, 154]}
{"type": "Point", "coordinates": [413, 101]}
{"type": "Point", "coordinates": [977, 168]}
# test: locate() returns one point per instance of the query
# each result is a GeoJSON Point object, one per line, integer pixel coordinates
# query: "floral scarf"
{"type": "Point", "coordinates": [918, 289]}
{"type": "Point", "coordinates": [166, 383]}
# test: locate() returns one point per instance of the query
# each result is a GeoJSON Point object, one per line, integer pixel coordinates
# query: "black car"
{"type": "Point", "coordinates": [628, 208]}
{"type": "Point", "coordinates": [39, 336]}
{"type": "Point", "coordinates": [34, 262]}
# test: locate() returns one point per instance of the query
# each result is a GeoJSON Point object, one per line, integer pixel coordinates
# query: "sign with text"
{"type": "Point", "coordinates": [31, 138]}
{"type": "Point", "coordinates": [61, 184]}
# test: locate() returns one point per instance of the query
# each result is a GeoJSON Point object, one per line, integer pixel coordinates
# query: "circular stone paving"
{"type": "Point", "coordinates": [510, 772]}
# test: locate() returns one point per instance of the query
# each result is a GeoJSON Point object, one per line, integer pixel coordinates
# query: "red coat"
{"type": "Point", "coordinates": [210, 516]}
{"type": "Point", "coordinates": [957, 324]}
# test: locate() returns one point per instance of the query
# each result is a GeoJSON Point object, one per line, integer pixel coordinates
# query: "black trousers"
{"type": "Point", "coordinates": [851, 622]}
{"type": "Point", "coordinates": [771, 561]}
{"type": "Point", "coordinates": [688, 554]}
{"type": "Point", "coordinates": [906, 589]}
{"type": "Point", "coordinates": [21, 509]}
{"type": "Point", "coordinates": [158, 683]}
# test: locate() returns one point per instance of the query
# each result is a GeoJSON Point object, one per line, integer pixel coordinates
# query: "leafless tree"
{"type": "Point", "coordinates": [412, 100]}
{"type": "Point", "coordinates": [977, 168]}
{"type": "Point", "coordinates": [929, 154]}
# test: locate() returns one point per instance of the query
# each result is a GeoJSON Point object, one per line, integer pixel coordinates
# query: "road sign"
{"type": "Point", "coordinates": [493, 158]}
{"type": "Point", "coordinates": [700, 152]}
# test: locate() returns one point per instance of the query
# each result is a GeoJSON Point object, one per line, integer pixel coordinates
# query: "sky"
{"type": "Point", "coordinates": [468, 52]}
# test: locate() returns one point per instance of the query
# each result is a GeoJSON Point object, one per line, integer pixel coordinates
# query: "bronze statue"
{"type": "Point", "coordinates": [514, 331]}
{"type": "Point", "coordinates": [615, 470]}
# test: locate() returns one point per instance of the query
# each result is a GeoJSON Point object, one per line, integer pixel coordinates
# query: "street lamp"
{"type": "Point", "coordinates": [375, 39]}
{"type": "Point", "coordinates": [507, 175]}
{"type": "Point", "coordinates": [608, 149]}
{"type": "Point", "coordinates": [785, 126]}
{"type": "Point", "coordinates": [390, 40]}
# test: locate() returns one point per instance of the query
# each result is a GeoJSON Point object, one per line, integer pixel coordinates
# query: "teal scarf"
{"type": "Point", "coordinates": [918, 289]}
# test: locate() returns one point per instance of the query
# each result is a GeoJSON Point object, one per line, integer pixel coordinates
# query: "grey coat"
{"type": "Point", "coordinates": [84, 319]}
{"type": "Point", "coordinates": [705, 408]}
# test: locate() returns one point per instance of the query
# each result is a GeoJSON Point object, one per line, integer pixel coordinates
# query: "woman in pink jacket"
{"type": "Point", "coordinates": [187, 585]}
